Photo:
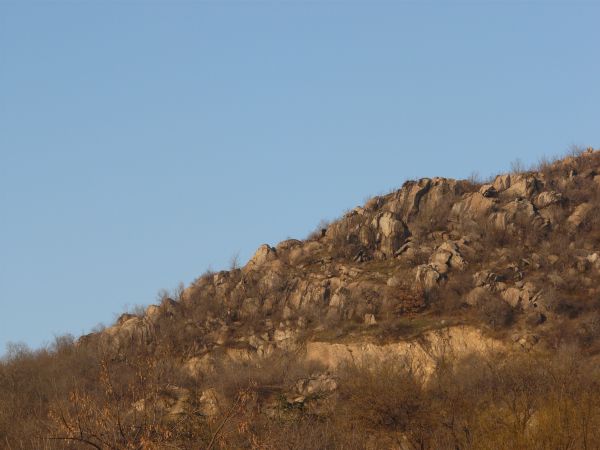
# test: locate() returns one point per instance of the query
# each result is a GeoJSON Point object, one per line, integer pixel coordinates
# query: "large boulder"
{"type": "Point", "coordinates": [263, 254]}
{"type": "Point", "coordinates": [447, 256]}
{"type": "Point", "coordinates": [391, 232]}
{"type": "Point", "coordinates": [517, 185]}
{"type": "Point", "coordinates": [406, 201]}
{"type": "Point", "coordinates": [473, 206]}
{"type": "Point", "coordinates": [547, 198]}
{"type": "Point", "coordinates": [519, 211]}
{"type": "Point", "coordinates": [522, 185]}
{"type": "Point", "coordinates": [502, 182]}
{"type": "Point", "coordinates": [423, 197]}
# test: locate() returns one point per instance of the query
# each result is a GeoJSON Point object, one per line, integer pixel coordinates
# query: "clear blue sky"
{"type": "Point", "coordinates": [142, 142]}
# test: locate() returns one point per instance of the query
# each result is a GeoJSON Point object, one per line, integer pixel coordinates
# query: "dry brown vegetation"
{"type": "Point", "coordinates": [71, 398]}
{"type": "Point", "coordinates": [523, 271]}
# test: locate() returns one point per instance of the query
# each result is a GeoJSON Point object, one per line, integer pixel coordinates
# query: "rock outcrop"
{"type": "Point", "coordinates": [435, 240]}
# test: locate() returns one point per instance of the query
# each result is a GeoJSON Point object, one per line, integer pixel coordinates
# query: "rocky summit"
{"type": "Point", "coordinates": [447, 314]}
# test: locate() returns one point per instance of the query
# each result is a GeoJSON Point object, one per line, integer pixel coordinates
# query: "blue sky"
{"type": "Point", "coordinates": [143, 142]}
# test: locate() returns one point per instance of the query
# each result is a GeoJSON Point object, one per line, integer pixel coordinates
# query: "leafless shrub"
{"type": "Point", "coordinates": [319, 231]}
{"type": "Point", "coordinates": [517, 167]}
{"type": "Point", "coordinates": [496, 313]}
{"type": "Point", "coordinates": [234, 261]}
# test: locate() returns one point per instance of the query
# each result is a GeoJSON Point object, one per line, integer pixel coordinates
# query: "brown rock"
{"type": "Point", "coordinates": [264, 254]}
{"type": "Point", "coordinates": [427, 276]}
{"type": "Point", "coordinates": [580, 213]}
{"type": "Point", "coordinates": [547, 198]}
{"type": "Point", "coordinates": [473, 206]}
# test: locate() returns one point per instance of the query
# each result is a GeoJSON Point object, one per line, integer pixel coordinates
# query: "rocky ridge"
{"type": "Point", "coordinates": [494, 266]}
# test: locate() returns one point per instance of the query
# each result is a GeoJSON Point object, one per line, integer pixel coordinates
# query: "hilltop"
{"type": "Point", "coordinates": [445, 314]}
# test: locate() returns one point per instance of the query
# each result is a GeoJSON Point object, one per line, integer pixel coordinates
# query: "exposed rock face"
{"type": "Point", "coordinates": [488, 190]}
{"type": "Point", "coordinates": [547, 198]}
{"type": "Point", "coordinates": [408, 199]}
{"type": "Point", "coordinates": [522, 186]}
{"type": "Point", "coordinates": [518, 211]}
{"type": "Point", "coordinates": [265, 253]}
{"type": "Point", "coordinates": [423, 196]}
{"type": "Point", "coordinates": [447, 256]}
{"type": "Point", "coordinates": [427, 277]}
{"type": "Point", "coordinates": [422, 355]}
{"type": "Point", "coordinates": [580, 214]}
{"type": "Point", "coordinates": [473, 206]}
{"type": "Point", "coordinates": [134, 330]}
{"type": "Point", "coordinates": [391, 232]}
{"type": "Point", "coordinates": [502, 182]}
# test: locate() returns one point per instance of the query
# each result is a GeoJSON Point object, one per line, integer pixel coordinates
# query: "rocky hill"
{"type": "Point", "coordinates": [446, 314]}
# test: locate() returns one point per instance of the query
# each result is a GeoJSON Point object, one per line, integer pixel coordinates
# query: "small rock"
{"type": "Point", "coordinates": [427, 276]}
{"type": "Point", "coordinates": [369, 319]}
{"type": "Point", "coordinates": [488, 190]}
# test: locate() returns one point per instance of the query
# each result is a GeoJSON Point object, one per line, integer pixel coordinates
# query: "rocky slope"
{"type": "Point", "coordinates": [435, 316]}
{"type": "Point", "coordinates": [519, 253]}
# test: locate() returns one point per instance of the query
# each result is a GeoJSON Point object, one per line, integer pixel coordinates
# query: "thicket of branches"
{"type": "Point", "coordinates": [70, 397]}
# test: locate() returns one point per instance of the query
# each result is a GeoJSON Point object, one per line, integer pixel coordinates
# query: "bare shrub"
{"type": "Point", "coordinates": [386, 395]}
{"type": "Point", "coordinates": [319, 230]}
{"type": "Point", "coordinates": [496, 313]}
{"type": "Point", "coordinates": [517, 167]}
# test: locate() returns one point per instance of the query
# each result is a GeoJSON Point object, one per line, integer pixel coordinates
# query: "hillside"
{"type": "Point", "coordinates": [450, 314]}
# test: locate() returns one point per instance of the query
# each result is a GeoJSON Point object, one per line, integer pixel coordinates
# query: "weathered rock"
{"type": "Point", "coordinates": [209, 403]}
{"type": "Point", "coordinates": [547, 198]}
{"type": "Point", "coordinates": [488, 190]}
{"type": "Point", "coordinates": [392, 232]}
{"type": "Point", "coordinates": [518, 211]}
{"type": "Point", "coordinates": [594, 260]}
{"type": "Point", "coordinates": [317, 384]}
{"type": "Point", "coordinates": [124, 318]}
{"type": "Point", "coordinates": [310, 292]}
{"type": "Point", "coordinates": [526, 341]}
{"type": "Point", "coordinates": [440, 261]}
{"type": "Point", "coordinates": [250, 307]}
{"type": "Point", "coordinates": [152, 313]}
{"type": "Point", "coordinates": [373, 204]}
{"type": "Point", "coordinates": [512, 296]}
{"type": "Point", "coordinates": [406, 200]}
{"type": "Point", "coordinates": [421, 355]}
{"type": "Point", "coordinates": [446, 256]}
{"type": "Point", "coordinates": [442, 192]}
{"type": "Point", "coordinates": [488, 280]}
{"type": "Point", "coordinates": [580, 213]}
{"type": "Point", "coordinates": [522, 185]}
{"type": "Point", "coordinates": [264, 254]}
{"type": "Point", "coordinates": [302, 252]}
{"type": "Point", "coordinates": [427, 277]}
{"type": "Point", "coordinates": [287, 245]}
{"type": "Point", "coordinates": [502, 182]}
{"type": "Point", "coordinates": [473, 206]}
